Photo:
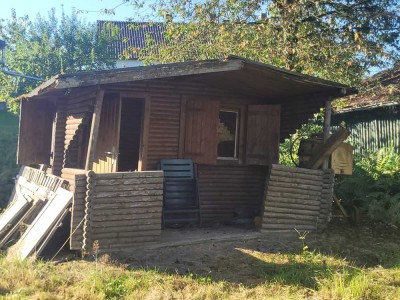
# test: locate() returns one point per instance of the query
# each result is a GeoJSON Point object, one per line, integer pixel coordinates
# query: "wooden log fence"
{"type": "Point", "coordinates": [120, 210]}
{"type": "Point", "coordinates": [297, 198]}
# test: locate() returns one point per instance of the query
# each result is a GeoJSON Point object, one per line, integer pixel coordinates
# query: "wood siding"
{"type": "Point", "coordinates": [35, 132]}
{"type": "Point", "coordinates": [78, 115]}
{"type": "Point", "coordinates": [297, 198]}
{"type": "Point", "coordinates": [201, 131]}
{"type": "Point", "coordinates": [107, 146]}
{"type": "Point", "coordinates": [77, 185]}
{"type": "Point", "coordinates": [59, 137]}
{"type": "Point", "coordinates": [122, 210]}
{"type": "Point", "coordinates": [263, 126]}
{"type": "Point", "coordinates": [163, 132]}
{"type": "Point", "coordinates": [230, 192]}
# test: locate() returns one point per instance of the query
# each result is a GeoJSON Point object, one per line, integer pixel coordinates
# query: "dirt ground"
{"type": "Point", "coordinates": [225, 253]}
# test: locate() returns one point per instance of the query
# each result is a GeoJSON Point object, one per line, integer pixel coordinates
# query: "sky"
{"type": "Point", "coordinates": [33, 7]}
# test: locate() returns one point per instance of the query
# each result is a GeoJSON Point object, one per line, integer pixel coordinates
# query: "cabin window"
{"type": "Point", "coordinates": [228, 134]}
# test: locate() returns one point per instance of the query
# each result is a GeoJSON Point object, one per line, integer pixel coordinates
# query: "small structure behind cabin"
{"type": "Point", "coordinates": [373, 115]}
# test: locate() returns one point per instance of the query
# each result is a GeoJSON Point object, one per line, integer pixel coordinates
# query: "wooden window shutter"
{"type": "Point", "coordinates": [201, 131]}
{"type": "Point", "coordinates": [35, 132]}
{"type": "Point", "coordinates": [263, 127]}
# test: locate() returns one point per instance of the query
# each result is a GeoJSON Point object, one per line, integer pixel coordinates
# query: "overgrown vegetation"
{"type": "Point", "coordinates": [374, 185]}
{"type": "Point", "coordinates": [46, 46]}
{"type": "Point", "coordinates": [347, 264]}
{"type": "Point", "coordinates": [337, 40]}
{"type": "Point", "coordinates": [8, 147]}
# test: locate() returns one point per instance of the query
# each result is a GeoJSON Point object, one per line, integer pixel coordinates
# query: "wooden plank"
{"type": "Point", "coordinates": [293, 191]}
{"type": "Point", "coordinates": [277, 183]}
{"type": "Point", "coordinates": [295, 170]}
{"type": "Point", "coordinates": [327, 128]}
{"type": "Point", "coordinates": [117, 194]}
{"type": "Point", "coordinates": [42, 224]}
{"type": "Point", "coordinates": [327, 148]}
{"type": "Point", "coordinates": [94, 131]}
{"type": "Point", "coordinates": [182, 127]}
{"type": "Point", "coordinates": [273, 209]}
{"type": "Point", "coordinates": [127, 175]}
{"type": "Point", "coordinates": [144, 137]}
{"type": "Point", "coordinates": [263, 128]}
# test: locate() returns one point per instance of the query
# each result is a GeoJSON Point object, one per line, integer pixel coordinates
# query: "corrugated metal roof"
{"type": "Point", "coordinates": [132, 36]}
{"type": "Point", "coordinates": [382, 89]}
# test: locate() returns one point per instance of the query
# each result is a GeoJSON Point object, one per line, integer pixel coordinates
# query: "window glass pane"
{"type": "Point", "coordinates": [227, 134]}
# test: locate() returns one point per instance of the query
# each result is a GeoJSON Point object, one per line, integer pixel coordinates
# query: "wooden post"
{"type": "Point", "coordinates": [327, 127]}
{"type": "Point", "coordinates": [94, 131]}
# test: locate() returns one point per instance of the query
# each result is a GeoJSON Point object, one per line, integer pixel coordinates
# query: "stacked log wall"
{"type": "Point", "coordinates": [78, 113]}
{"type": "Point", "coordinates": [227, 193]}
{"type": "Point", "coordinates": [297, 198]}
{"type": "Point", "coordinates": [122, 210]}
{"type": "Point", "coordinates": [77, 185]}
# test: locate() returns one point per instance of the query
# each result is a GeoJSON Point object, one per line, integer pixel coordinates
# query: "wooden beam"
{"type": "Point", "coordinates": [94, 131]}
{"type": "Point", "coordinates": [182, 127]}
{"type": "Point", "coordinates": [327, 128]}
{"type": "Point", "coordinates": [144, 135]}
{"type": "Point", "coordinates": [327, 148]}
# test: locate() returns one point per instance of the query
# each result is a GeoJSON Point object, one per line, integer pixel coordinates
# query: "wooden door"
{"type": "Point", "coordinates": [106, 155]}
{"type": "Point", "coordinates": [201, 131]}
{"type": "Point", "coordinates": [263, 128]}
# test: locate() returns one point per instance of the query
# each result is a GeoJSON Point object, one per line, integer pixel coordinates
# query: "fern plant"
{"type": "Point", "coordinates": [374, 185]}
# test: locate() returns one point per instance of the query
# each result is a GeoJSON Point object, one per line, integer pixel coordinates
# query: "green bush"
{"type": "Point", "coordinates": [8, 148]}
{"type": "Point", "coordinates": [374, 185]}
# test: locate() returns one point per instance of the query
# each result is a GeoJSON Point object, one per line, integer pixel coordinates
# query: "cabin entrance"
{"type": "Point", "coordinates": [130, 134]}
{"type": "Point", "coordinates": [119, 138]}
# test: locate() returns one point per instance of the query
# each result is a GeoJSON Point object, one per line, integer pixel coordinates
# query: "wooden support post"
{"type": "Point", "coordinates": [94, 131]}
{"type": "Point", "coordinates": [327, 148]}
{"type": "Point", "coordinates": [327, 127]}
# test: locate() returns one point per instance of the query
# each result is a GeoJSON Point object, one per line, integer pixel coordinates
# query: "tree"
{"type": "Point", "coordinates": [46, 46]}
{"type": "Point", "coordinates": [337, 39]}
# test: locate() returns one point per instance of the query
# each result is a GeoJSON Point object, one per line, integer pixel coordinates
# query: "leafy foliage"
{"type": "Point", "coordinates": [289, 148]}
{"type": "Point", "coordinates": [8, 147]}
{"type": "Point", "coordinates": [45, 47]}
{"type": "Point", "coordinates": [338, 40]}
{"type": "Point", "coordinates": [374, 185]}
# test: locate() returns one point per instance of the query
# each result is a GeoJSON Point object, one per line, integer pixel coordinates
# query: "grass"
{"type": "Point", "coordinates": [8, 149]}
{"type": "Point", "coordinates": [337, 265]}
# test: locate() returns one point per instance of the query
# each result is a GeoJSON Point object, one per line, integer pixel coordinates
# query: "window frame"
{"type": "Point", "coordinates": [235, 158]}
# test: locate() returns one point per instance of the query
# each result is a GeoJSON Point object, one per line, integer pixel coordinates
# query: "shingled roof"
{"type": "Point", "coordinates": [132, 36]}
{"type": "Point", "coordinates": [382, 89]}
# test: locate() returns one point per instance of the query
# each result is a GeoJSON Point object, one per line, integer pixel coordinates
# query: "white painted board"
{"type": "Point", "coordinates": [11, 214]}
{"type": "Point", "coordinates": [42, 225]}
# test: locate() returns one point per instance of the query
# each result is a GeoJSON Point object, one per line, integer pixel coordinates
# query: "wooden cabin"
{"type": "Point", "coordinates": [106, 132]}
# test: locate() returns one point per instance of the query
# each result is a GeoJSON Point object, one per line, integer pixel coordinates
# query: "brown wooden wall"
{"type": "Point", "coordinates": [59, 137]}
{"type": "Point", "coordinates": [163, 131]}
{"type": "Point", "coordinates": [79, 110]}
{"type": "Point", "coordinates": [230, 192]}
{"type": "Point", "coordinates": [122, 210]}
{"type": "Point", "coordinates": [35, 131]}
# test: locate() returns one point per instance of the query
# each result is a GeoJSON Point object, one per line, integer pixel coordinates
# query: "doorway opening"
{"type": "Point", "coordinates": [130, 134]}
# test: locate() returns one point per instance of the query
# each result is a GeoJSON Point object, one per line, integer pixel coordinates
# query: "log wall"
{"type": "Point", "coordinates": [227, 193]}
{"type": "Point", "coordinates": [122, 210]}
{"type": "Point", "coordinates": [164, 126]}
{"type": "Point", "coordinates": [79, 109]}
{"type": "Point", "coordinates": [297, 198]}
{"type": "Point", "coordinates": [77, 185]}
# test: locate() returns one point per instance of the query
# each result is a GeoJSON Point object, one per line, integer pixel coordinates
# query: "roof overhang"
{"type": "Point", "coordinates": [234, 74]}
